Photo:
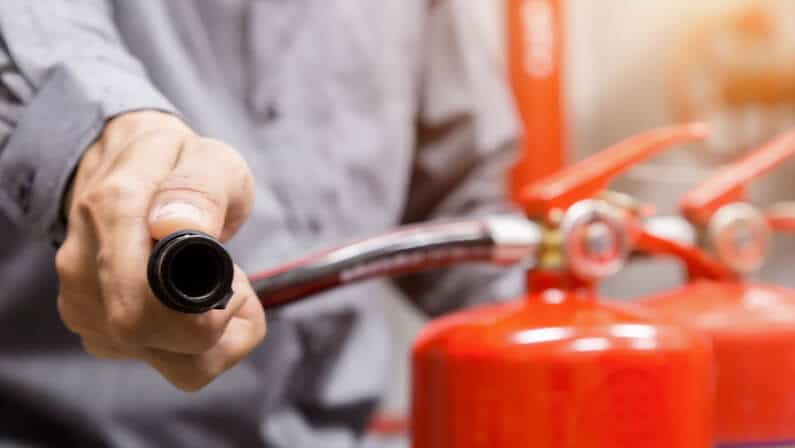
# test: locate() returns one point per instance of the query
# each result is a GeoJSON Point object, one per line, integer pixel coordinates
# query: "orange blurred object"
{"type": "Point", "coordinates": [740, 58]}
{"type": "Point", "coordinates": [735, 67]}
{"type": "Point", "coordinates": [535, 57]}
{"type": "Point", "coordinates": [752, 326]}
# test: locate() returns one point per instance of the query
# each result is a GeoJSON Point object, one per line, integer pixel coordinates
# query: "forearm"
{"type": "Point", "coordinates": [65, 73]}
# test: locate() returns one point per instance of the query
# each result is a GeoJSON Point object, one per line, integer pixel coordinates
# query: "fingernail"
{"type": "Point", "coordinates": [178, 210]}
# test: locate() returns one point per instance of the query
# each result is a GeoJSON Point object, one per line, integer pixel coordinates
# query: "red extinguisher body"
{"type": "Point", "coordinates": [753, 332]}
{"type": "Point", "coordinates": [560, 369]}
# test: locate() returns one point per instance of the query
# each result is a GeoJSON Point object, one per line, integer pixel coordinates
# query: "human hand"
{"type": "Point", "coordinates": [149, 175]}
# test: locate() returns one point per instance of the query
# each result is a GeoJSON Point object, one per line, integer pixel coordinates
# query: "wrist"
{"type": "Point", "coordinates": [117, 134]}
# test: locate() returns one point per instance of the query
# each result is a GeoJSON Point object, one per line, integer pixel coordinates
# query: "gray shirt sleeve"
{"type": "Point", "coordinates": [64, 72]}
{"type": "Point", "coordinates": [466, 143]}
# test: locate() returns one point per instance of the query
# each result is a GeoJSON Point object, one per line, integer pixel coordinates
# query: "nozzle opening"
{"type": "Point", "coordinates": [191, 272]}
{"type": "Point", "coordinates": [195, 272]}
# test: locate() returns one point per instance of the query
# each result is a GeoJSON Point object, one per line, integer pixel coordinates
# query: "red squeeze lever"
{"type": "Point", "coordinates": [728, 185]}
{"type": "Point", "coordinates": [738, 232]}
{"type": "Point", "coordinates": [588, 177]}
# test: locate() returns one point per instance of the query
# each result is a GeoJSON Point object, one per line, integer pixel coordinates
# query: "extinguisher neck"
{"type": "Point", "coordinates": [539, 281]}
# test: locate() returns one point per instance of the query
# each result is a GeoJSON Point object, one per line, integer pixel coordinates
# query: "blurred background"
{"type": "Point", "coordinates": [631, 66]}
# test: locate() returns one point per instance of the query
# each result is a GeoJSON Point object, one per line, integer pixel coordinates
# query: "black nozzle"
{"type": "Point", "coordinates": [191, 272]}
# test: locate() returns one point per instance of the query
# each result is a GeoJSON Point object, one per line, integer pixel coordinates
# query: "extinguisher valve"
{"type": "Point", "coordinates": [595, 240]}
{"type": "Point", "coordinates": [739, 234]}
{"type": "Point", "coordinates": [515, 239]}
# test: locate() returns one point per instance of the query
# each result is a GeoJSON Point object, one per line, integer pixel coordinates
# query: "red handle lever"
{"type": "Point", "coordinates": [728, 184]}
{"type": "Point", "coordinates": [588, 177]}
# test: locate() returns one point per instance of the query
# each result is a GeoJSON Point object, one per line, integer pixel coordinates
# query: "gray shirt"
{"type": "Point", "coordinates": [354, 115]}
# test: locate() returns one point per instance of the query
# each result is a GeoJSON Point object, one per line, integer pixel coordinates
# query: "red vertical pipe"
{"type": "Point", "coordinates": [535, 48]}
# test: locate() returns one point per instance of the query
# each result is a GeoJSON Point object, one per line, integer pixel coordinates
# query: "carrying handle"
{"type": "Point", "coordinates": [588, 177]}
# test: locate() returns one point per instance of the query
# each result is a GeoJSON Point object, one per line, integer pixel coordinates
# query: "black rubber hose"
{"type": "Point", "coordinates": [192, 272]}
{"type": "Point", "coordinates": [409, 250]}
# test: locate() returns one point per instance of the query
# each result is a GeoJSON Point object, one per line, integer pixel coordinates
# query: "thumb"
{"type": "Point", "coordinates": [169, 215]}
{"type": "Point", "coordinates": [202, 192]}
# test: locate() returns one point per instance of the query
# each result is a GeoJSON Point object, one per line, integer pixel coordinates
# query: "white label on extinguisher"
{"type": "Point", "coordinates": [539, 36]}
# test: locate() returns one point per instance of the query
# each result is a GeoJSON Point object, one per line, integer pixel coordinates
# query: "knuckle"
{"type": "Point", "coordinates": [93, 350]}
{"type": "Point", "coordinates": [67, 262]}
{"type": "Point", "coordinates": [104, 259]}
{"type": "Point", "coordinates": [205, 334]}
{"type": "Point", "coordinates": [230, 158]}
{"type": "Point", "coordinates": [118, 189]}
{"type": "Point", "coordinates": [126, 326]}
{"type": "Point", "coordinates": [108, 196]}
{"type": "Point", "coordinates": [107, 192]}
{"type": "Point", "coordinates": [67, 315]}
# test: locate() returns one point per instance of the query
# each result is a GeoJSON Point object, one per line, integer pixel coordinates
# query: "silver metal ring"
{"type": "Point", "coordinates": [595, 239]}
{"type": "Point", "coordinates": [739, 235]}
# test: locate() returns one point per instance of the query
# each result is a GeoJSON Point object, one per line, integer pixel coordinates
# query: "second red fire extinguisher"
{"type": "Point", "coordinates": [751, 325]}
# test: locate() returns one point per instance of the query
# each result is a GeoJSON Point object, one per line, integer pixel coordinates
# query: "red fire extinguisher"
{"type": "Point", "coordinates": [559, 367]}
{"type": "Point", "coordinates": [752, 326]}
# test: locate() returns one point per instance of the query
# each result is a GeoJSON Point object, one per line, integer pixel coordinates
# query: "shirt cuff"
{"type": "Point", "coordinates": [65, 117]}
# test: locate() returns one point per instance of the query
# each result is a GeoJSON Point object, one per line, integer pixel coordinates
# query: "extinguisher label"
{"type": "Point", "coordinates": [779, 444]}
